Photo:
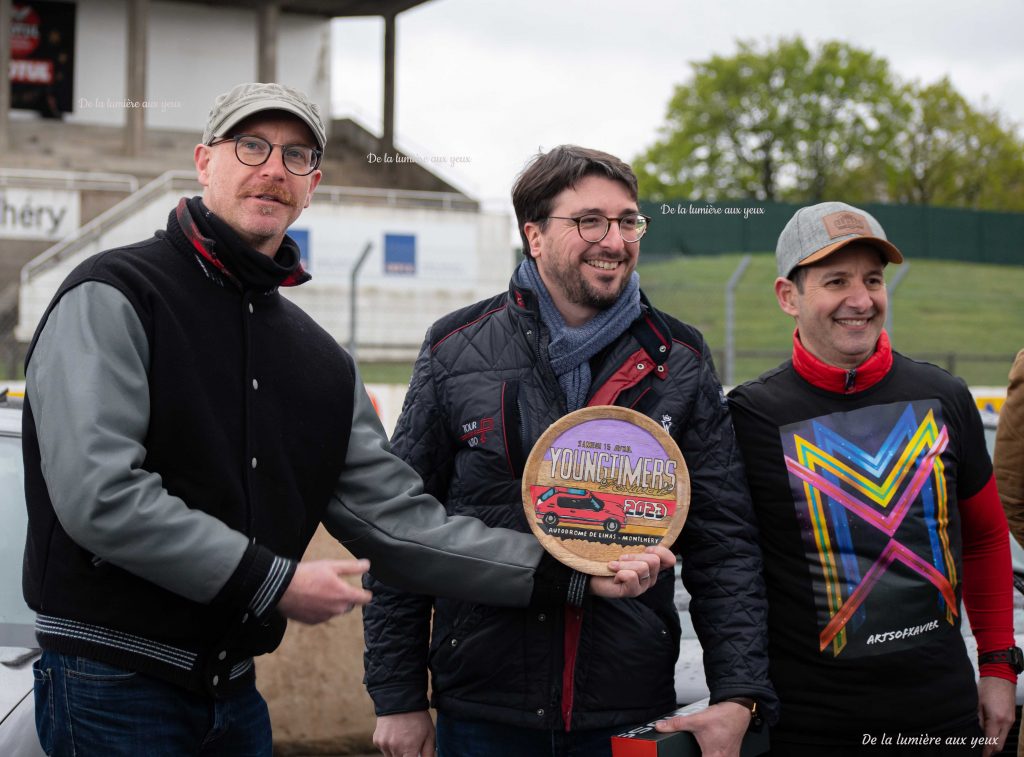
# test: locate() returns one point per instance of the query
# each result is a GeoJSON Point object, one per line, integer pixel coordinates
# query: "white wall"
{"type": "Point", "coordinates": [452, 246]}
{"type": "Point", "coordinates": [461, 257]}
{"type": "Point", "coordinates": [218, 44]}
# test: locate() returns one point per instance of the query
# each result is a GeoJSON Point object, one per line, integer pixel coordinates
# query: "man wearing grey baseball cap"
{"type": "Point", "coordinates": [186, 429]}
{"type": "Point", "coordinates": [878, 513]}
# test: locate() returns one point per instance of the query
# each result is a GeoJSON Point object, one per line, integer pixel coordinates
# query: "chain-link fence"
{"type": "Point", "coordinates": [969, 319]}
{"type": "Point", "coordinates": [966, 318]}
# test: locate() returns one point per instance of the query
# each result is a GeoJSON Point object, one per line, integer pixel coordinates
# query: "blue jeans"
{"type": "Point", "coordinates": [87, 708]}
{"type": "Point", "coordinates": [476, 738]}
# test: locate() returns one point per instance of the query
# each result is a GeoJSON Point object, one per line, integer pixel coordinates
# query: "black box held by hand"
{"type": "Point", "coordinates": [644, 741]}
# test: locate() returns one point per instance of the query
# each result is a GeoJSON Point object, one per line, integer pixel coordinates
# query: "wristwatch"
{"type": "Point", "coordinates": [1013, 657]}
{"type": "Point", "coordinates": [751, 704]}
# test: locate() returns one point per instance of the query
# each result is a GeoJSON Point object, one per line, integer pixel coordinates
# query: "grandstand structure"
{"type": "Point", "coordinates": [107, 101]}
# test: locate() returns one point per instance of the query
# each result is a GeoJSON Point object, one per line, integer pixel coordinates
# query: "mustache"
{"type": "Point", "coordinates": [281, 194]}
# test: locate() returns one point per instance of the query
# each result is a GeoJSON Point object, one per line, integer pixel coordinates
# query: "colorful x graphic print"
{"type": "Point", "coordinates": [871, 494]}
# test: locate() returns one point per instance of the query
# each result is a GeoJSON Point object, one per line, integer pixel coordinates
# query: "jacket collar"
{"type": "Point", "coordinates": [649, 329]}
{"type": "Point", "coordinates": [216, 243]}
{"type": "Point", "coordinates": [840, 380]}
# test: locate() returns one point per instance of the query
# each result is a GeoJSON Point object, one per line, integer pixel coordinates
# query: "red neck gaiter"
{"type": "Point", "coordinates": [841, 380]}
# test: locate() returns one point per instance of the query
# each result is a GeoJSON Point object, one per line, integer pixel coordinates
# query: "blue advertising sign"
{"type": "Point", "coordinates": [400, 253]}
{"type": "Point", "coordinates": [301, 237]}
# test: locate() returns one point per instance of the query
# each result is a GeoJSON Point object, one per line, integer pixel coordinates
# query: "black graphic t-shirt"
{"type": "Point", "coordinates": [856, 498]}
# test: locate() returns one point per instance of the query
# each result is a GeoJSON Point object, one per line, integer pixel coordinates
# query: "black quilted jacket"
{"type": "Point", "coordinates": [482, 393]}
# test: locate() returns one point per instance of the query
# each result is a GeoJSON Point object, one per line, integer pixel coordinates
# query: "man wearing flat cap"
{"type": "Point", "coordinates": [878, 513]}
{"type": "Point", "coordinates": [186, 428]}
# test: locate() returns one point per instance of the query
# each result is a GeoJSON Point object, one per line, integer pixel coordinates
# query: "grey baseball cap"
{"type": "Point", "coordinates": [245, 100]}
{"type": "Point", "coordinates": [815, 232]}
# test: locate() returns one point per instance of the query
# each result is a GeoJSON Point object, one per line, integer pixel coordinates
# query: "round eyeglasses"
{"type": "Point", "coordinates": [593, 228]}
{"type": "Point", "coordinates": [251, 150]}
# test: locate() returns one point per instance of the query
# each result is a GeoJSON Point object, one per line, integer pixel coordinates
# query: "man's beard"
{"type": "Point", "coordinates": [580, 292]}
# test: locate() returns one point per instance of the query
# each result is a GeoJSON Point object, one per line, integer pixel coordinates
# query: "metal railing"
{"type": "Point", "coordinates": [395, 197]}
{"type": "Point", "coordinates": [105, 221]}
{"type": "Point", "coordinates": [186, 181]}
{"type": "Point", "coordinates": [730, 319]}
{"type": "Point", "coordinates": [29, 178]}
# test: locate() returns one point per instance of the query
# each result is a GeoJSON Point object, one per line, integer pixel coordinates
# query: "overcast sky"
{"type": "Point", "coordinates": [484, 85]}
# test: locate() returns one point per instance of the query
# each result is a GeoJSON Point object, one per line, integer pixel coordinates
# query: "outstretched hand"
{"type": "Point", "coordinates": [318, 590]}
{"type": "Point", "coordinates": [634, 574]}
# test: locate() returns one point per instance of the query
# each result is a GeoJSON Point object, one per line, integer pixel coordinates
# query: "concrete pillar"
{"type": "Point", "coordinates": [135, 118]}
{"type": "Point", "coordinates": [5, 60]}
{"type": "Point", "coordinates": [388, 138]}
{"type": "Point", "coordinates": [266, 41]}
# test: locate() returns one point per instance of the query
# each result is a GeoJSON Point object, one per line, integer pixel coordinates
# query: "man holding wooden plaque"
{"type": "Point", "coordinates": [573, 331]}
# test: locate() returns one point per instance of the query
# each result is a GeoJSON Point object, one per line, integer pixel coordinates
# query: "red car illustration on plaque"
{"type": "Point", "coordinates": [579, 507]}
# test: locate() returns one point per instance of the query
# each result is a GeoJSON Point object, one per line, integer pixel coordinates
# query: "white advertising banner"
{"type": "Point", "coordinates": [38, 213]}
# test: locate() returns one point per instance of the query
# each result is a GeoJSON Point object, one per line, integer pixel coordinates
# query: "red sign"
{"type": "Point", "coordinates": [42, 65]}
{"type": "Point", "coordinates": [24, 31]}
{"type": "Point", "coordinates": [32, 71]}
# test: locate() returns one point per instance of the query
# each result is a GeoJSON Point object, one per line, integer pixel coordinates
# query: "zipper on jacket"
{"type": "Point", "coordinates": [524, 433]}
{"type": "Point", "coordinates": [851, 379]}
{"type": "Point", "coordinates": [534, 335]}
{"type": "Point", "coordinates": [513, 433]}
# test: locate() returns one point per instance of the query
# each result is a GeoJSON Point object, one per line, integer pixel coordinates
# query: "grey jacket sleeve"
{"type": "Point", "coordinates": [88, 385]}
{"type": "Point", "coordinates": [380, 511]}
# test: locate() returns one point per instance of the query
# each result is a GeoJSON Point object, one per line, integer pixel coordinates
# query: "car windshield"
{"type": "Point", "coordinates": [13, 524]}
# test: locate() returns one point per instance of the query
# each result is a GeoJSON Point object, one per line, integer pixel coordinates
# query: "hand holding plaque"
{"type": "Point", "coordinates": [602, 482]}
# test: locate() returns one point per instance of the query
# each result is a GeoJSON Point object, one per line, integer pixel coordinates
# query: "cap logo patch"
{"type": "Point", "coordinates": [843, 223]}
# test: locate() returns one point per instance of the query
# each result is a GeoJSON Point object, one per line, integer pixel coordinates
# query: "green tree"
{"type": "Point", "coordinates": [948, 153]}
{"type": "Point", "coordinates": [846, 114]}
{"type": "Point", "coordinates": [778, 123]}
{"type": "Point", "coordinates": [994, 174]}
{"type": "Point", "coordinates": [783, 122]}
{"type": "Point", "coordinates": [723, 136]}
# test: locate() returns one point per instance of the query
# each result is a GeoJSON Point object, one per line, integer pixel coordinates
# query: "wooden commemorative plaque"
{"type": "Point", "coordinates": [602, 482]}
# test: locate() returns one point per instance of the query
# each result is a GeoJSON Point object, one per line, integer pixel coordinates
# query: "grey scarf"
{"type": "Point", "coordinates": [570, 348]}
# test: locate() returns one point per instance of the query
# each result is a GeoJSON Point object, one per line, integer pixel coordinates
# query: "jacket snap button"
{"type": "Point", "coordinates": [216, 680]}
{"type": "Point", "coordinates": [662, 348]}
{"type": "Point", "coordinates": [250, 307]}
{"type": "Point", "coordinates": [540, 713]}
{"type": "Point", "coordinates": [640, 366]}
{"type": "Point", "coordinates": [542, 617]}
{"type": "Point", "coordinates": [661, 369]}
{"type": "Point", "coordinates": [222, 655]}
{"type": "Point", "coordinates": [455, 642]}
{"type": "Point", "coordinates": [255, 384]}
{"type": "Point", "coordinates": [254, 462]}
